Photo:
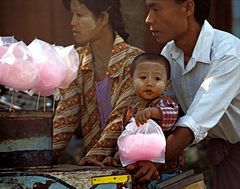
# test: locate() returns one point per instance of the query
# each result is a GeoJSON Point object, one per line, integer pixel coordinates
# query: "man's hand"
{"type": "Point", "coordinates": [144, 171]}
{"type": "Point", "coordinates": [90, 161]}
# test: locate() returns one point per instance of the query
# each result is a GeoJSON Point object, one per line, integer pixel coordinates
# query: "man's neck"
{"type": "Point", "coordinates": [188, 41]}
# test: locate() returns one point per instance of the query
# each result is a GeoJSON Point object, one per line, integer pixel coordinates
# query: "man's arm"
{"type": "Point", "coordinates": [176, 143]}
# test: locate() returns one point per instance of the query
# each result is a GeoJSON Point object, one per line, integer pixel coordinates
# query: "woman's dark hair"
{"type": "Point", "coordinates": [202, 9]}
{"type": "Point", "coordinates": [150, 57]}
{"type": "Point", "coordinates": [113, 9]}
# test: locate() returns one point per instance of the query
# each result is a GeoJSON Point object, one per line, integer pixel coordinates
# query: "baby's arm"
{"type": "Point", "coordinates": [152, 112]}
{"type": "Point", "coordinates": [170, 113]}
{"type": "Point", "coordinates": [166, 111]}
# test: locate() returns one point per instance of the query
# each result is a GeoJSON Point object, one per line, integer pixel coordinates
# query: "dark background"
{"type": "Point", "coordinates": [50, 21]}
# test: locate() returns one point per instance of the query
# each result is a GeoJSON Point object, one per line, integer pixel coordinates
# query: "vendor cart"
{"type": "Point", "coordinates": [26, 161]}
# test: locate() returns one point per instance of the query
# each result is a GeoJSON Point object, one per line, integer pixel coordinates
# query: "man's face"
{"type": "Point", "coordinates": [167, 19]}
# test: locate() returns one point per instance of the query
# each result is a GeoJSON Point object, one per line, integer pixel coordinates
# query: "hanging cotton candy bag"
{"type": "Point", "coordinates": [146, 142]}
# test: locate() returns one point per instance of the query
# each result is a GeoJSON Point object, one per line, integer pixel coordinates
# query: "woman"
{"type": "Point", "coordinates": [96, 100]}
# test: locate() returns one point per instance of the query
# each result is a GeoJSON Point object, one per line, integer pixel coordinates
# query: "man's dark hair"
{"type": "Point", "coordinates": [202, 9]}
{"type": "Point", "coordinates": [152, 58]}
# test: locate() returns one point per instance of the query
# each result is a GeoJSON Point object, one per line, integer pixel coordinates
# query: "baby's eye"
{"type": "Point", "coordinates": [142, 77]}
{"type": "Point", "coordinates": [157, 78]}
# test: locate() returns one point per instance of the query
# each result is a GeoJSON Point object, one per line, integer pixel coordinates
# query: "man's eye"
{"type": "Point", "coordinates": [155, 9]}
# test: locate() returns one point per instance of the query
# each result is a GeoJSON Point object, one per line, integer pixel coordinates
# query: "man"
{"type": "Point", "coordinates": [205, 81]}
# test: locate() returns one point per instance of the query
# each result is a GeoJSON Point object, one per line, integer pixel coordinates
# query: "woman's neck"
{"type": "Point", "coordinates": [102, 49]}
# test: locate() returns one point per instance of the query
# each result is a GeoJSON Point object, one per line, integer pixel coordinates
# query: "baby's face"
{"type": "Point", "coordinates": [149, 80]}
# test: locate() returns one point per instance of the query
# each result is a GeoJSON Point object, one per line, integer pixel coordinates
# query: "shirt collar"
{"type": "Point", "coordinates": [204, 41]}
{"type": "Point", "coordinates": [202, 50]}
{"type": "Point", "coordinates": [119, 49]}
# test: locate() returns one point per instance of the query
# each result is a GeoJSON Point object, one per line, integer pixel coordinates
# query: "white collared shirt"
{"type": "Point", "coordinates": [208, 88]}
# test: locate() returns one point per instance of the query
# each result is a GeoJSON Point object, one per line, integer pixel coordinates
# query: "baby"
{"type": "Point", "coordinates": [150, 75]}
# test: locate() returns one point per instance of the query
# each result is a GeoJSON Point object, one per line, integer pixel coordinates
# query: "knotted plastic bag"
{"type": "Point", "coordinates": [146, 142]}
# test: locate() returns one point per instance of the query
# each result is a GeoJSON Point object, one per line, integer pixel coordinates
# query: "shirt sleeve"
{"type": "Point", "coordinates": [169, 110]}
{"type": "Point", "coordinates": [219, 88]}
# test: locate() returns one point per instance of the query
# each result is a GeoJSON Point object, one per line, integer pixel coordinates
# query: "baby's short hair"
{"type": "Point", "coordinates": [153, 58]}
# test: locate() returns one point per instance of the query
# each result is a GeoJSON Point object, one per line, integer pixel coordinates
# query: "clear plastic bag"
{"type": "Point", "coordinates": [71, 60]}
{"type": "Point", "coordinates": [4, 43]}
{"type": "Point", "coordinates": [50, 65]}
{"type": "Point", "coordinates": [17, 70]}
{"type": "Point", "coordinates": [146, 142]}
{"type": "Point", "coordinates": [7, 40]}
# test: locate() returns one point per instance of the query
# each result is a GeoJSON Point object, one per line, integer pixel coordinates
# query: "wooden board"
{"type": "Point", "coordinates": [25, 139]}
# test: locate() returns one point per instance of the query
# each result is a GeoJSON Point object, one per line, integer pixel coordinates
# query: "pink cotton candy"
{"type": "Point", "coordinates": [21, 75]}
{"type": "Point", "coordinates": [43, 92]}
{"type": "Point", "coordinates": [51, 76]}
{"type": "Point", "coordinates": [71, 60]}
{"type": "Point", "coordinates": [142, 147]}
{"type": "Point", "coordinates": [17, 69]}
{"type": "Point", "coordinates": [50, 65]}
{"type": "Point", "coordinates": [18, 52]}
{"type": "Point", "coordinates": [3, 50]}
{"type": "Point", "coordinates": [4, 70]}
{"type": "Point", "coordinates": [146, 142]}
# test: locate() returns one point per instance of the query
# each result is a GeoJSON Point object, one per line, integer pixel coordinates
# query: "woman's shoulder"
{"type": "Point", "coordinates": [134, 50]}
{"type": "Point", "coordinates": [81, 50]}
{"type": "Point", "coordinates": [131, 53]}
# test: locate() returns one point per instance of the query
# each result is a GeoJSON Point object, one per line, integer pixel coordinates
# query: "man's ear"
{"type": "Point", "coordinates": [189, 7]}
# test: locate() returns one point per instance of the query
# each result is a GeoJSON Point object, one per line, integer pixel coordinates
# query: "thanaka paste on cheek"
{"type": "Point", "coordinates": [87, 23]}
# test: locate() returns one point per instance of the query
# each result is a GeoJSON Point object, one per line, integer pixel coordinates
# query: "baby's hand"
{"type": "Point", "coordinates": [142, 116]}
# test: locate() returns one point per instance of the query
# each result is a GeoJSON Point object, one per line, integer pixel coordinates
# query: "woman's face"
{"type": "Point", "coordinates": [83, 23]}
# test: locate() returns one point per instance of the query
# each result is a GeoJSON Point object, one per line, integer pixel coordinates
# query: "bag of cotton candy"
{"type": "Point", "coordinates": [146, 142]}
{"type": "Point", "coordinates": [16, 67]}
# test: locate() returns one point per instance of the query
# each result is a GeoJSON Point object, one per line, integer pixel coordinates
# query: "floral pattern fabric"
{"type": "Point", "coordinates": [78, 106]}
